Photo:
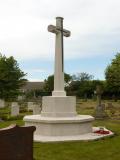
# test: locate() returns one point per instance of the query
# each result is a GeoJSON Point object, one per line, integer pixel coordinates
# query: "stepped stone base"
{"type": "Point", "coordinates": [59, 127]}
{"type": "Point", "coordinates": [82, 137]}
{"type": "Point", "coordinates": [63, 129]}
{"type": "Point", "coordinates": [59, 121]}
{"type": "Point", "coordinates": [54, 106]}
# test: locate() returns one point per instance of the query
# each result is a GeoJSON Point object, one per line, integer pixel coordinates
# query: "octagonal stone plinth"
{"type": "Point", "coordinates": [53, 106]}
{"type": "Point", "coordinates": [49, 127]}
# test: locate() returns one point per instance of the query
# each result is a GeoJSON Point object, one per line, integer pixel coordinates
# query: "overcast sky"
{"type": "Point", "coordinates": [95, 34]}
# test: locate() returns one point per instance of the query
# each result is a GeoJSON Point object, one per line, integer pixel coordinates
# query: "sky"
{"type": "Point", "coordinates": [94, 41]}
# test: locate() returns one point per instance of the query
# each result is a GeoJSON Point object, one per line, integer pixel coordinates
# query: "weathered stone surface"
{"type": "Point", "coordinates": [2, 103]}
{"type": "Point", "coordinates": [56, 30]}
{"type": "Point", "coordinates": [14, 109]}
{"type": "Point", "coordinates": [59, 106]}
{"type": "Point", "coordinates": [30, 106]}
{"type": "Point", "coordinates": [60, 126]}
{"type": "Point", "coordinates": [36, 109]}
{"type": "Point", "coordinates": [100, 112]}
{"type": "Point", "coordinates": [100, 108]}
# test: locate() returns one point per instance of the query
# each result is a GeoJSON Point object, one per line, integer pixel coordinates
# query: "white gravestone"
{"type": "Point", "coordinates": [30, 106]}
{"type": "Point", "coordinates": [20, 98]}
{"type": "Point", "coordinates": [58, 120]}
{"type": "Point", "coordinates": [14, 109]}
{"type": "Point", "coordinates": [2, 103]}
{"type": "Point", "coordinates": [36, 109]}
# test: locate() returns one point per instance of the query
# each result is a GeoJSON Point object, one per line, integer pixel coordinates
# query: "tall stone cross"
{"type": "Point", "coordinates": [59, 56]}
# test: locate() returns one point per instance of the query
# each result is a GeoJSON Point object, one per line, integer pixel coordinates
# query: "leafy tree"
{"type": "Point", "coordinates": [68, 79]}
{"type": "Point", "coordinates": [81, 84]}
{"type": "Point", "coordinates": [82, 77]}
{"type": "Point", "coordinates": [112, 75]}
{"type": "Point", "coordinates": [49, 82]}
{"type": "Point", "coordinates": [11, 77]}
{"type": "Point", "coordinates": [95, 83]}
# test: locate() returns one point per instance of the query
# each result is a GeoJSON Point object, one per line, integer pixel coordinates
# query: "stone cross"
{"type": "Point", "coordinates": [99, 93]}
{"type": "Point", "coordinates": [59, 56]}
{"type": "Point", "coordinates": [100, 108]}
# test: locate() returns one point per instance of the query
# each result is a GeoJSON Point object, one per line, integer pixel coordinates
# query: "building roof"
{"type": "Point", "coordinates": [33, 86]}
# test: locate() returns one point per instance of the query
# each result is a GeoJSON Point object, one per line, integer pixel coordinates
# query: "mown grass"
{"type": "Point", "coordinates": [104, 149]}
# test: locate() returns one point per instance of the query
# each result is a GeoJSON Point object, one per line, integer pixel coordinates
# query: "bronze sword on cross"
{"type": "Point", "coordinates": [59, 29]}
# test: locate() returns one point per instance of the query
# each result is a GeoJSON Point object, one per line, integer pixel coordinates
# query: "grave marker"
{"type": "Point", "coordinates": [100, 108]}
{"type": "Point", "coordinates": [36, 109]}
{"type": "Point", "coordinates": [14, 109]}
{"type": "Point", "coordinates": [2, 103]}
{"type": "Point", "coordinates": [30, 106]}
{"type": "Point", "coordinates": [16, 143]}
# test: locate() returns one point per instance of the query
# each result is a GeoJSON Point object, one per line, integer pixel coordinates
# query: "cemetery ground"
{"type": "Point", "coordinates": [105, 149]}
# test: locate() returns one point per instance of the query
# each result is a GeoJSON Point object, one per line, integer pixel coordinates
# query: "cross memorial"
{"type": "Point", "coordinates": [58, 120]}
{"type": "Point", "coordinates": [59, 56]}
{"type": "Point", "coordinates": [100, 109]}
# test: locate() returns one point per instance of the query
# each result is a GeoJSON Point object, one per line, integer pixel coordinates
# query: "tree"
{"type": "Point", "coordinates": [95, 83]}
{"type": "Point", "coordinates": [49, 82]}
{"type": "Point", "coordinates": [82, 77]}
{"type": "Point", "coordinates": [81, 84]}
{"type": "Point", "coordinates": [11, 77]}
{"type": "Point", "coordinates": [112, 75]}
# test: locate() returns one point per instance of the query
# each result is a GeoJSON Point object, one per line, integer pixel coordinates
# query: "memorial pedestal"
{"type": "Point", "coordinates": [54, 106]}
{"type": "Point", "coordinates": [48, 127]}
{"type": "Point", "coordinates": [59, 119]}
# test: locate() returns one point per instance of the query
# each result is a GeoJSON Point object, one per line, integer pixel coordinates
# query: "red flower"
{"type": "Point", "coordinates": [102, 132]}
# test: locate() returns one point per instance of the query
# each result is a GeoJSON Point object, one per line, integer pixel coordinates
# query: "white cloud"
{"type": "Point", "coordinates": [23, 27]}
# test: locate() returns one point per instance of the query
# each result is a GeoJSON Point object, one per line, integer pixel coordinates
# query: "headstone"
{"type": "Point", "coordinates": [2, 103]}
{"type": "Point", "coordinates": [20, 98]}
{"type": "Point", "coordinates": [110, 105]}
{"type": "Point", "coordinates": [36, 109]}
{"type": "Point", "coordinates": [30, 106]}
{"type": "Point", "coordinates": [16, 143]}
{"type": "Point", "coordinates": [14, 109]}
{"type": "Point", "coordinates": [100, 108]}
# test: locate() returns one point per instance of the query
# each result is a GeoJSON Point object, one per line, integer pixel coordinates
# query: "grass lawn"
{"type": "Point", "coordinates": [104, 149]}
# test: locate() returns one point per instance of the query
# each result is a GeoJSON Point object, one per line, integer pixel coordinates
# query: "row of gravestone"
{"type": "Point", "coordinates": [36, 108]}
{"type": "Point", "coordinates": [15, 107]}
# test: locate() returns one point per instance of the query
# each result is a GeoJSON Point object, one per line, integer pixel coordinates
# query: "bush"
{"type": "Point", "coordinates": [9, 118]}
{"type": "Point", "coordinates": [23, 110]}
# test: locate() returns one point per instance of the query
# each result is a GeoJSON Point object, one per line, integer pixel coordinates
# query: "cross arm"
{"type": "Point", "coordinates": [56, 30]}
